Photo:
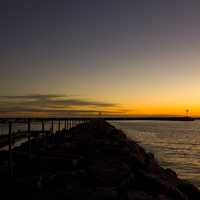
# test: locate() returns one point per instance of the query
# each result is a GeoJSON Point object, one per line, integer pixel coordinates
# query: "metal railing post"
{"type": "Point", "coordinates": [10, 162]}
{"type": "Point", "coordinates": [58, 125]}
{"type": "Point", "coordinates": [65, 124]}
{"type": "Point", "coordinates": [29, 137]}
{"type": "Point", "coordinates": [52, 126]}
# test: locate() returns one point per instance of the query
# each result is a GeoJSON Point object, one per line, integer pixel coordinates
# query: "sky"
{"type": "Point", "coordinates": [118, 57]}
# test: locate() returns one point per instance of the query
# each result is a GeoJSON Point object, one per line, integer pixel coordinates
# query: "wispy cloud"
{"type": "Point", "coordinates": [52, 104]}
{"type": "Point", "coordinates": [33, 96]}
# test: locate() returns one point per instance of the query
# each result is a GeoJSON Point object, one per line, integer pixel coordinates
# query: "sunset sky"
{"type": "Point", "coordinates": [79, 57]}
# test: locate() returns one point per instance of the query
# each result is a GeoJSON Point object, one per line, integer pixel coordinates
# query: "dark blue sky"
{"type": "Point", "coordinates": [100, 49]}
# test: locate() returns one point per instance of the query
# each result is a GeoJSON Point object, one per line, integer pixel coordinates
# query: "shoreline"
{"type": "Point", "coordinates": [107, 118]}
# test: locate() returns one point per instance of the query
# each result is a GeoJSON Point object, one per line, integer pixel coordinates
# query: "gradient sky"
{"type": "Point", "coordinates": [137, 57]}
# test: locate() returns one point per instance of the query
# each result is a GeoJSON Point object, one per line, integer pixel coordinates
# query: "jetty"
{"type": "Point", "coordinates": [91, 160]}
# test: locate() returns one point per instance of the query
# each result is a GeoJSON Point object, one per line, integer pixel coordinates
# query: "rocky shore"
{"type": "Point", "coordinates": [92, 161]}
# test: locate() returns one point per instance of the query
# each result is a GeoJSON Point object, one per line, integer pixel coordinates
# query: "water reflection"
{"type": "Point", "coordinates": [175, 144]}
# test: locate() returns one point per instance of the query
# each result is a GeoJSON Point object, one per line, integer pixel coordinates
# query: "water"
{"type": "Point", "coordinates": [175, 144]}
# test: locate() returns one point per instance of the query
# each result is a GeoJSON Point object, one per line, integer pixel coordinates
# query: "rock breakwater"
{"type": "Point", "coordinates": [94, 161]}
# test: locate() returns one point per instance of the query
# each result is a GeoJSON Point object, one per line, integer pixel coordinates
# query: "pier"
{"type": "Point", "coordinates": [12, 138]}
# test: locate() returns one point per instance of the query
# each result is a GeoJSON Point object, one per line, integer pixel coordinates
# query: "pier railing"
{"type": "Point", "coordinates": [29, 134]}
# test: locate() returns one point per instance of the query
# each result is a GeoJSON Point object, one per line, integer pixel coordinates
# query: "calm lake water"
{"type": "Point", "coordinates": [175, 144]}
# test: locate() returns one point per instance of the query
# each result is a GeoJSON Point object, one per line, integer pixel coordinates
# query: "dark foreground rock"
{"type": "Point", "coordinates": [96, 162]}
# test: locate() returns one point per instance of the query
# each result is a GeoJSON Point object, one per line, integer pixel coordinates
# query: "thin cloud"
{"type": "Point", "coordinates": [53, 113]}
{"type": "Point", "coordinates": [52, 99]}
{"type": "Point", "coordinates": [51, 104]}
{"type": "Point", "coordinates": [33, 97]}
